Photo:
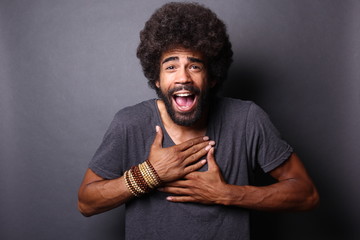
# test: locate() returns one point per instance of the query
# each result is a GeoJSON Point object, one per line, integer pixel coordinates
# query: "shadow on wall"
{"type": "Point", "coordinates": [253, 81]}
{"type": "Point", "coordinates": [247, 81]}
{"type": "Point", "coordinates": [244, 81]}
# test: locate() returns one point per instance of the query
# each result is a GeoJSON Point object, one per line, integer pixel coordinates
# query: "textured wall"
{"type": "Point", "coordinates": [67, 66]}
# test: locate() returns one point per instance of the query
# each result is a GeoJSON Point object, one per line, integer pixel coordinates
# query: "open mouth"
{"type": "Point", "coordinates": [184, 101]}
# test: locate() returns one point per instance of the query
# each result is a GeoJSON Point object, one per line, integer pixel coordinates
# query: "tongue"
{"type": "Point", "coordinates": [184, 101]}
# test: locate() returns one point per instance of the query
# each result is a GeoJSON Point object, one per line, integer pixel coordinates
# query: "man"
{"type": "Point", "coordinates": [182, 164]}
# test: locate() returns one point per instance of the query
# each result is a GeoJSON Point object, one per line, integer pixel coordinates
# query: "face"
{"type": "Point", "coordinates": [183, 85]}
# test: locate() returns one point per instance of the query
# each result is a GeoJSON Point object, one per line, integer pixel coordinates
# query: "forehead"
{"type": "Point", "coordinates": [181, 52]}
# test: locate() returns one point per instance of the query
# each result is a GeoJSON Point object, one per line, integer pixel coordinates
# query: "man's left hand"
{"type": "Point", "coordinates": [200, 187]}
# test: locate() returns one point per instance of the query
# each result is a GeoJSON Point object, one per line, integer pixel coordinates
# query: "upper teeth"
{"type": "Point", "coordinates": [183, 94]}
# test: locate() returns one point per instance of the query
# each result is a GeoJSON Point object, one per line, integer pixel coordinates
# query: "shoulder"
{"type": "Point", "coordinates": [136, 115]}
{"type": "Point", "coordinates": [232, 106]}
{"type": "Point", "coordinates": [238, 110]}
{"type": "Point", "coordinates": [137, 111]}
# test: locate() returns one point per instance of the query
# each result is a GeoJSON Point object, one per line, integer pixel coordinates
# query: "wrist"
{"type": "Point", "coordinates": [142, 179]}
{"type": "Point", "coordinates": [226, 195]}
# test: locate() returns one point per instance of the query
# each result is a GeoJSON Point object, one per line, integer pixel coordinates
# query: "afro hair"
{"type": "Point", "coordinates": [191, 26]}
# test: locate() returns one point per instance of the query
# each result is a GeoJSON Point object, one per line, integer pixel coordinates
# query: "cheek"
{"type": "Point", "coordinates": [166, 82]}
{"type": "Point", "coordinates": [203, 83]}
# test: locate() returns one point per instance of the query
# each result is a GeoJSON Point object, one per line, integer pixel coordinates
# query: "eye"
{"type": "Point", "coordinates": [170, 68]}
{"type": "Point", "coordinates": [196, 67]}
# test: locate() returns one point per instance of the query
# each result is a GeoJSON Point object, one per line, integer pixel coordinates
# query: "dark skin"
{"type": "Point", "coordinates": [97, 194]}
{"type": "Point", "coordinates": [294, 190]}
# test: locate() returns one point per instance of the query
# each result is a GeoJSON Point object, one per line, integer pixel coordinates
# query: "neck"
{"type": "Point", "coordinates": [180, 133]}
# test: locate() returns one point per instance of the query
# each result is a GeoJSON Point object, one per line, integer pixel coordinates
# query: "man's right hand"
{"type": "Point", "coordinates": [175, 162]}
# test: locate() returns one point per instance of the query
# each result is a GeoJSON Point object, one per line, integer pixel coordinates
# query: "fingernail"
{"type": "Point", "coordinates": [205, 138]}
{"type": "Point", "coordinates": [203, 161]}
{"type": "Point", "coordinates": [207, 147]}
{"type": "Point", "coordinates": [212, 143]}
{"type": "Point", "coordinates": [169, 198]}
{"type": "Point", "coordinates": [157, 128]}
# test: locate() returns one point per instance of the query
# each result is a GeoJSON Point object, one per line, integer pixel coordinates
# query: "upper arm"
{"type": "Point", "coordinates": [292, 168]}
{"type": "Point", "coordinates": [89, 178]}
{"type": "Point", "coordinates": [295, 173]}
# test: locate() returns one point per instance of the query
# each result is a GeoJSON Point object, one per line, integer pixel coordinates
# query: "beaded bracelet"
{"type": "Point", "coordinates": [156, 176]}
{"type": "Point", "coordinates": [142, 179]}
{"type": "Point", "coordinates": [129, 185]}
{"type": "Point", "coordinates": [139, 179]}
{"type": "Point", "coordinates": [134, 182]}
{"type": "Point", "coordinates": [147, 176]}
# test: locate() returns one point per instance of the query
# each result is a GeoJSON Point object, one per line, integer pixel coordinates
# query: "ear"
{"type": "Point", "coordinates": [157, 83]}
{"type": "Point", "coordinates": [212, 83]}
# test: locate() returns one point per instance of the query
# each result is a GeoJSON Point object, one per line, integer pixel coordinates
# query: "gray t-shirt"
{"type": "Point", "coordinates": [244, 138]}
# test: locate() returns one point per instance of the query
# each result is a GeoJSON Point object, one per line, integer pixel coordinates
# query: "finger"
{"type": "Point", "coordinates": [189, 143]}
{"type": "Point", "coordinates": [211, 159]}
{"type": "Point", "coordinates": [183, 189]}
{"type": "Point", "coordinates": [197, 147]}
{"type": "Point", "coordinates": [193, 167]}
{"type": "Point", "coordinates": [194, 154]}
{"type": "Point", "coordinates": [181, 199]}
{"type": "Point", "coordinates": [192, 175]}
{"type": "Point", "coordinates": [158, 137]}
{"type": "Point", "coordinates": [175, 190]}
{"type": "Point", "coordinates": [179, 183]}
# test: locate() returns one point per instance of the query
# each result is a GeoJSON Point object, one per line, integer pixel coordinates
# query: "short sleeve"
{"type": "Point", "coordinates": [127, 141]}
{"type": "Point", "coordinates": [265, 146]}
{"type": "Point", "coordinates": [106, 161]}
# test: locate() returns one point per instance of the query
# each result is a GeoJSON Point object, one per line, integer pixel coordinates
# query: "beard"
{"type": "Point", "coordinates": [185, 118]}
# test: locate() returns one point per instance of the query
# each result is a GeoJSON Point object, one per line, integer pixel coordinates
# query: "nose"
{"type": "Point", "coordinates": [183, 77]}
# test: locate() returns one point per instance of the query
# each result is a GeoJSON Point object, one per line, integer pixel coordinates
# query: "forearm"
{"type": "Point", "coordinates": [286, 195]}
{"type": "Point", "coordinates": [103, 195]}
{"type": "Point", "coordinates": [293, 191]}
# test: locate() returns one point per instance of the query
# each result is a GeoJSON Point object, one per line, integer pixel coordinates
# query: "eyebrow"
{"type": "Point", "coordinates": [170, 59]}
{"type": "Point", "coordinates": [191, 59]}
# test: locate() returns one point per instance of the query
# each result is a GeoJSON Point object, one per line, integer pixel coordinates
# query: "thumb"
{"type": "Point", "coordinates": [158, 137]}
{"type": "Point", "coordinates": [211, 159]}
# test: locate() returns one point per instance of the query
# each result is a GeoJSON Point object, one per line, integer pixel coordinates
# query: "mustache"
{"type": "Point", "coordinates": [189, 88]}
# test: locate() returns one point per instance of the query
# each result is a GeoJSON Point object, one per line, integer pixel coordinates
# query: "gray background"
{"type": "Point", "coordinates": [67, 66]}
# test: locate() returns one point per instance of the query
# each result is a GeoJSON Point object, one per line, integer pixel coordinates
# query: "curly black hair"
{"type": "Point", "coordinates": [189, 25]}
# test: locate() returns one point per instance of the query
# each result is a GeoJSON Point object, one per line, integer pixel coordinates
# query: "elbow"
{"type": "Point", "coordinates": [315, 200]}
{"type": "Point", "coordinates": [85, 206]}
{"type": "Point", "coordinates": [312, 201]}
{"type": "Point", "coordinates": [85, 210]}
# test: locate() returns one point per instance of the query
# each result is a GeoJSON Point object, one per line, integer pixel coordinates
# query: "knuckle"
{"type": "Point", "coordinates": [174, 150]}
{"type": "Point", "coordinates": [193, 169]}
{"type": "Point", "coordinates": [179, 156]}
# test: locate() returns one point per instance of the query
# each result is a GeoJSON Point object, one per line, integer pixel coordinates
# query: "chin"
{"type": "Point", "coordinates": [185, 118]}
{"type": "Point", "coordinates": [184, 104]}
{"type": "Point", "coordinates": [186, 121]}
